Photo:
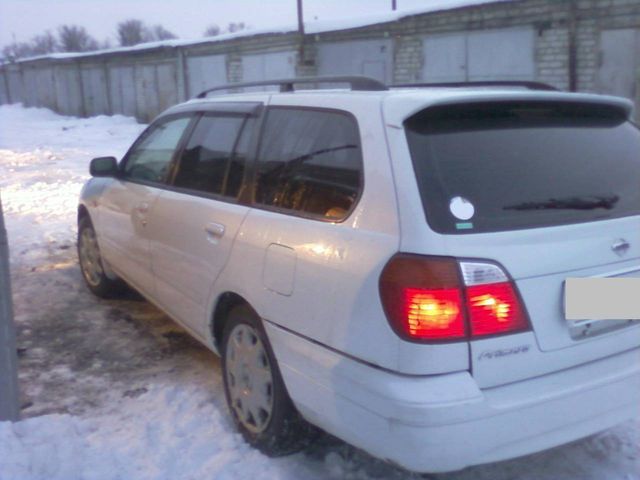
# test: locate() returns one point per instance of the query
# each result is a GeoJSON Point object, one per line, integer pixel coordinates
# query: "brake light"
{"type": "Point", "coordinates": [433, 313]}
{"type": "Point", "coordinates": [422, 297]}
{"type": "Point", "coordinates": [435, 299]}
{"type": "Point", "coordinates": [494, 308]}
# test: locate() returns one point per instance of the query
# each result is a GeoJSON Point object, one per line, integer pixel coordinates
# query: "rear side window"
{"type": "Point", "coordinates": [495, 167]}
{"type": "Point", "coordinates": [310, 162]}
{"type": "Point", "coordinates": [211, 162]}
{"type": "Point", "coordinates": [150, 158]}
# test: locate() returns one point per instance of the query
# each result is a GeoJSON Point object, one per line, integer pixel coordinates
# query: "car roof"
{"type": "Point", "coordinates": [400, 103]}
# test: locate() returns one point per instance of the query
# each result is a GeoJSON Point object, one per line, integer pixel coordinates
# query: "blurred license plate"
{"type": "Point", "coordinates": [597, 298]}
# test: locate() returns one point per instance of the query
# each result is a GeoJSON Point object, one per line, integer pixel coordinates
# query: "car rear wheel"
{"type": "Point", "coordinates": [91, 264]}
{"type": "Point", "coordinates": [256, 395]}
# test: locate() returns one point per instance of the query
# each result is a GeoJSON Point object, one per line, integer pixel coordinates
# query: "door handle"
{"type": "Point", "coordinates": [142, 207]}
{"type": "Point", "coordinates": [214, 230]}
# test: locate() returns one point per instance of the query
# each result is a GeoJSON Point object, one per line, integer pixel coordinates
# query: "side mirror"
{"type": "Point", "coordinates": [103, 167]}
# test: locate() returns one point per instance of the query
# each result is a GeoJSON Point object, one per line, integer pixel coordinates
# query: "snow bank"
{"type": "Point", "coordinates": [177, 432]}
{"type": "Point", "coordinates": [44, 163]}
{"type": "Point", "coordinates": [36, 128]}
{"type": "Point", "coordinates": [170, 432]}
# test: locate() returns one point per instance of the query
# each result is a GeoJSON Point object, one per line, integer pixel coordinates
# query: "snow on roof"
{"type": "Point", "coordinates": [311, 27]}
{"type": "Point", "coordinates": [372, 19]}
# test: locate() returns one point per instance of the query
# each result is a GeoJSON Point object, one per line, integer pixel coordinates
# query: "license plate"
{"type": "Point", "coordinates": [601, 298]}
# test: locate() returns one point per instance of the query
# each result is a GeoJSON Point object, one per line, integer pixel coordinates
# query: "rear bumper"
{"type": "Point", "coordinates": [445, 422]}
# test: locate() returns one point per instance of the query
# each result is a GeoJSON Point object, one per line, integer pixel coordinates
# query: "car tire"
{"type": "Point", "coordinates": [256, 395]}
{"type": "Point", "coordinates": [91, 264]}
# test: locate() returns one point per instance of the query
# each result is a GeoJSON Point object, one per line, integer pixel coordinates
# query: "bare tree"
{"type": "Point", "coordinates": [17, 50]}
{"type": "Point", "coordinates": [74, 38]}
{"type": "Point", "coordinates": [44, 43]}
{"type": "Point", "coordinates": [236, 27]}
{"type": "Point", "coordinates": [212, 30]}
{"type": "Point", "coordinates": [158, 32]}
{"type": "Point", "coordinates": [132, 32]}
{"type": "Point", "coordinates": [38, 45]}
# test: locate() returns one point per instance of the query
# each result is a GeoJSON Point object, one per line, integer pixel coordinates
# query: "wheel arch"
{"type": "Point", "coordinates": [226, 302]}
{"type": "Point", "coordinates": [83, 212]}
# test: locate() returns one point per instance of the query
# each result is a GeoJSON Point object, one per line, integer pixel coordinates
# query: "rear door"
{"type": "Point", "coordinates": [554, 193]}
{"type": "Point", "coordinates": [193, 223]}
{"type": "Point", "coordinates": [126, 201]}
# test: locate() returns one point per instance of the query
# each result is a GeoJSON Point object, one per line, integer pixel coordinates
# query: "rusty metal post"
{"type": "Point", "coordinates": [573, 46]}
{"type": "Point", "coordinates": [300, 18]}
{"type": "Point", "coordinates": [9, 407]}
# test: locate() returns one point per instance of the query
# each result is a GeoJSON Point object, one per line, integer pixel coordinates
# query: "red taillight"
{"type": "Point", "coordinates": [425, 299]}
{"type": "Point", "coordinates": [422, 298]}
{"type": "Point", "coordinates": [494, 309]}
{"type": "Point", "coordinates": [433, 313]}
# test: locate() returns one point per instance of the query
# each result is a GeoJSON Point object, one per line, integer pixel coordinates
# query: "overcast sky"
{"type": "Point", "coordinates": [22, 19]}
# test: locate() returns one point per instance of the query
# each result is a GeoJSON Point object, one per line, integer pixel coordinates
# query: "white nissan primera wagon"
{"type": "Point", "coordinates": [387, 264]}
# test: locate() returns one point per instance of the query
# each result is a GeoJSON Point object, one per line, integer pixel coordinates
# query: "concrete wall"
{"type": "Point", "coordinates": [521, 39]}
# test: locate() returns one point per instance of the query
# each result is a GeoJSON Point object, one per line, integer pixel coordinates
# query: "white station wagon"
{"type": "Point", "coordinates": [387, 264]}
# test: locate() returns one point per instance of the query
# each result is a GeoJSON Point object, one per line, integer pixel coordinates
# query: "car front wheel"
{"type": "Point", "coordinates": [91, 262]}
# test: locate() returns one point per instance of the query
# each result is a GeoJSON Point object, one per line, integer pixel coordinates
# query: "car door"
{"type": "Point", "coordinates": [125, 202]}
{"type": "Point", "coordinates": [194, 222]}
{"type": "Point", "coordinates": [307, 245]}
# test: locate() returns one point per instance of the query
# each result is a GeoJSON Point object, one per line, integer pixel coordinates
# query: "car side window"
{"type": "Point", "coordinates": [151, 158]}
{"type": "Point", "coordinates": [208, 162]}
{"type": "Point", "coordinates": [310, 161]}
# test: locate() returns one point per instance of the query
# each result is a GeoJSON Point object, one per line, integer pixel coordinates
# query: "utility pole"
{"type": "Point", "coordinates": [300, 18]}
{"type": "Point", "coordinates": [9, 409]}
{"type": "Point", "coordinates": [573, 46]}
{"type": "Point", "coordinates": [394, 5]}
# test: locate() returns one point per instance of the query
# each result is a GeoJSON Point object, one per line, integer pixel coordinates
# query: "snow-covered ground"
{"type": "Point", "coordinates": [115, 390]}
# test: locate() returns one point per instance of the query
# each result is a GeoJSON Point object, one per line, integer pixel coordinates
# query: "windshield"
{"type": "Point", "coordinates": [505, 166]}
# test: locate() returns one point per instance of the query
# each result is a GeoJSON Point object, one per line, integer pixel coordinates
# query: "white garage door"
{"type": "Point", "coordinates": [373, 58]}
{"type": "Point", "coordinates": [268, 66]}
{"type": "Point", "coordinates": [205, 72]}
{"type": "Point", "coordinates": [506, 54]}
{"type": "Point", "coordinates": [122, 87]}
{"type": "Point", "coordinates": [619, 72]}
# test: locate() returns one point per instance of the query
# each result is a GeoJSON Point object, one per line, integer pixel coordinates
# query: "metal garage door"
{"type": "Point", "coordinates": [373, 58]}
{"type": "Point", "coordinates": [68, 91]}
{"type": "Point", "coordinates": [268, 66]}
{"type": "Point", "coordinates": [14, 80]}
{"type": "Point", "coordinates": [29, 78]}
{"type": "Point", "coordinates": [205, 72]}
{"type": "Point", "coordinates": [156, 89]}
{"type": "Point", "coordinates": [166, 85]}
{"type": "Point", "coordinates": [619, 72]}
{"type": "Point", "coordinates": [146, 92]}
{"type": "Point", "coordinates": [4, 90]}
{"type": "Point", "coordinates": [94, 88]}
{"type": "Point", "coordinates": [122, 90]}
{"type": "Point", "coordinates": [506, 54]}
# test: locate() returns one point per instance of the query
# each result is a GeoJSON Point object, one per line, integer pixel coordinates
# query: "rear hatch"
{"type": "Point", "coordinates": [549, 190]}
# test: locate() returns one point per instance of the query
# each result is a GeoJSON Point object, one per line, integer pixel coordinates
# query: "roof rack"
{"type": "Point", "coordinates": [359, 83]}
{"type": "Point", "coordinates": [489, 83]}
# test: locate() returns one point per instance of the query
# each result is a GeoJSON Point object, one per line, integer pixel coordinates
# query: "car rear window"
{"type": "Point", "coordinates": [505, 166]}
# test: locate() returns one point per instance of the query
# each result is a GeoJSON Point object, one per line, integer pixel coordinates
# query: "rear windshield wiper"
{"type": "Point", "coordinates": [590, 202]}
